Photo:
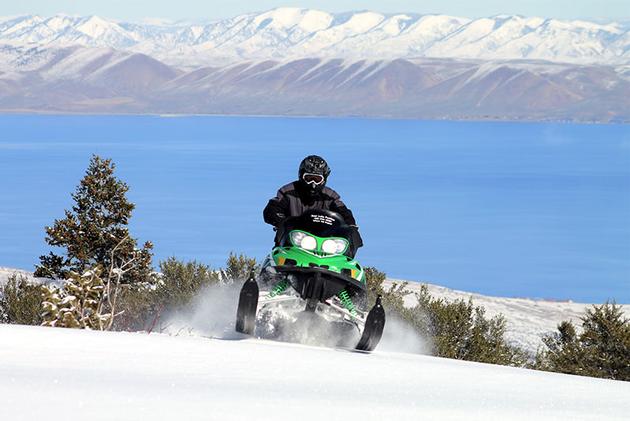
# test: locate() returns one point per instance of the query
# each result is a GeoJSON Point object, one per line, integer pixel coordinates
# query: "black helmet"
{"type": "Point", "coordinates": [314, 172]}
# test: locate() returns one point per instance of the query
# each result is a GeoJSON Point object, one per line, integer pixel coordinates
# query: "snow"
{"type": "Point", "coordinates": [279, 18]}
{"type": "Point", "coordinates": [5, 273]}
{"type": "Point", "coordinates": [60, 22]}
{"type": "Point", "coordinates": [66, 374]}
{"type": "Point", "coordinates": [362, 22]}
{"type": "Point", "coordinates": [315, 20]}
{"type": "Point", "coordinates": [15, 25]}
{"type": "Point", "coordinates": [95, 27]}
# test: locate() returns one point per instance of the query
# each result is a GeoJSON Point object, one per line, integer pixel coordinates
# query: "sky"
{"type": "Point", "coordinates": [216, 9]}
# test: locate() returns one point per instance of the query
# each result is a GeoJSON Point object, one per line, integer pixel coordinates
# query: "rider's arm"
{"type": "Point", "coordinates": [276, 210]}
{"type": "Point", "coordinates": [338, 206]}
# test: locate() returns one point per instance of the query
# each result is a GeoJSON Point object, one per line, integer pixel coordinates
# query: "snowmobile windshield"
{"type": "Point", "coordinates": [321, 223]}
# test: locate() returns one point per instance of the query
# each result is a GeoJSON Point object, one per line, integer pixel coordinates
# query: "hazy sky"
{"type": "Point", "coordinates": [211, 9]}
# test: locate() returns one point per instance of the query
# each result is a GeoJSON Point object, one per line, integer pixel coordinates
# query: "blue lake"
{"type": "Point", "coordinates": [510, 209]}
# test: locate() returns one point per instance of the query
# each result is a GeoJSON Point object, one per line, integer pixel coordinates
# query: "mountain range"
{"type": "Point", "coordinates": [291, 61]}
{"type": "Point", "coordinates": [291, 33]}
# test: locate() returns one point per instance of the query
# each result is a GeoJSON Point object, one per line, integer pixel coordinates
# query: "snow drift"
{"type": "Point", "coordinates": [64, 374]}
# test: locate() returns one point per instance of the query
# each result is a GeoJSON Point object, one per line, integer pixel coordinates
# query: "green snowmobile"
{"type": "Point", "coordinates": [313, 264]}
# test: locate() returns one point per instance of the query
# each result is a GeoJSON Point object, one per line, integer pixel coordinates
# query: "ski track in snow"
{"type": "Point", "coordinates": [67, 374]}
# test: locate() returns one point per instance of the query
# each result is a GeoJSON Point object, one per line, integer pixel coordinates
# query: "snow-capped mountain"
{"type": "Point", "coordinates": [290, 33]}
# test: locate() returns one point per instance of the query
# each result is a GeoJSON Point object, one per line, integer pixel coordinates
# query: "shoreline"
{"type": "Point", "coordinates": [29, 112]}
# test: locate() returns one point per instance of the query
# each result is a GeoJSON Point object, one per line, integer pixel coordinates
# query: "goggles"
{"type": "Point", "coordinates": [314, 179]}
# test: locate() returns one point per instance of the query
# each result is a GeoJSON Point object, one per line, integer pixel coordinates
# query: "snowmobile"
{"type": "Point", "coordinates": [313, 265]}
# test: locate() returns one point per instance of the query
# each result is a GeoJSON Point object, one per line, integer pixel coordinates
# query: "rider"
{"type": "Point", "coordinates": [309, 191]}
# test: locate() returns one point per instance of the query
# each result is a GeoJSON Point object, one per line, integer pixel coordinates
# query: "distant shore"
{"type": "Point", "coordinates": [497, 119]}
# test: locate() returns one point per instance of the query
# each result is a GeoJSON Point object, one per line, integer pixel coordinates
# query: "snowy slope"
{"type": "Point", "coordinates": [289, 33]}
{"type": "Point", "coordinates": [5, 273]}
{"type": "Point", "coordinates": [63, 374]}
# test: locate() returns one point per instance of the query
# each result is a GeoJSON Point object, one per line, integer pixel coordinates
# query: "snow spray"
{"type": "Point", "coordinates": [213, 312]}
{"type": "Point", "coordinates": [399, 336]}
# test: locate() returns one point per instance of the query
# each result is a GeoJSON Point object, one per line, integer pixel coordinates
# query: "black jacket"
{"type": "Point", "coordinates": [295, 198]}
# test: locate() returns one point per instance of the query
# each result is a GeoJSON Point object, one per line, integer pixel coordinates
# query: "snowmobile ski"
{"type": "Point", "coordinates": [247, 305]}
{"type": "Point", "coordinates": [373, 329]}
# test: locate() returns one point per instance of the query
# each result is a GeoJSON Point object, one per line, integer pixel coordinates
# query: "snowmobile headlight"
{"type": "Point", "coordinates": [303, 240]}
{"type": "Point", "coordinates": [334, 246]}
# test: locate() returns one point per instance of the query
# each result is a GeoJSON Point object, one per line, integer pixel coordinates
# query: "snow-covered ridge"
{"type": "Point", "coordinates": [5, 273]}
{"type": "Point", "coordinates": [289, 33]}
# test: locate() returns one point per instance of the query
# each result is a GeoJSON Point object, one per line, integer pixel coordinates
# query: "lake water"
{"type": "Point", "coordinates": [510, 209]}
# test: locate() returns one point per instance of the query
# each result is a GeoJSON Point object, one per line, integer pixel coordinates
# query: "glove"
{"type": "Point", "coordinates": [357, 241]}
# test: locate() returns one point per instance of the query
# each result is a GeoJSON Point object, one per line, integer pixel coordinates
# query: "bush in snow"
{"type": "Point", "coordinates": [601, 350]}
{"type": "Point", "coordinates": [20, 301]}
{"type": "Point", "coordinates": [95, 227]}
{"type": "Point", "coordinates": [239, 268]}
{"type": "Point", "coordinates": [180, 282]}
{"type": "Point", "coordinates": [89, 300]}
{"type": "Point", "coordinates": [457, 329]}
{"type": "Point", "coordinates": [462, 331]}
{"type": "Point", "coordinates": [143, 305]}
{"type": "Point", "coordinates": [138, 307]}
{"type": "Point", "coordinates": [79, 303]}
{"type": "Point", "coordinates": [374, 279]}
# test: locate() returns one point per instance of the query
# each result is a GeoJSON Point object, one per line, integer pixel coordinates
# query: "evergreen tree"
{"type": "Point", "coordinates": [601, 350]}
{"type": "Point", "coordinates": [239, 268]}
{"type": "Point", "coordinates": [94, 232]}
